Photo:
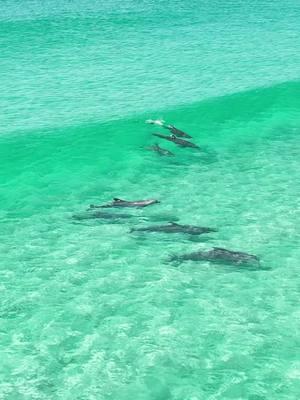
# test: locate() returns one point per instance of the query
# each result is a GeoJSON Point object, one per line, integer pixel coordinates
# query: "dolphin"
{"type": "Point", "coordinates": [159, 122]}
{"type": "Point", "coordinates": [176, 131]}
{"type": "Point", "coordinates": [220, 255]}
{"type": "Point", "coordinates": [172, 128]}
{"type": "Point", "coordinates": [160, 150]}
{"type": "Point", "coordinates": [124, 203]}
{"type": "Point", "coordinates": [100, 215]}
{"type": "Point", "coordinates": [173, 227]}
{"type": "Point", "coordinates": [174, 139]}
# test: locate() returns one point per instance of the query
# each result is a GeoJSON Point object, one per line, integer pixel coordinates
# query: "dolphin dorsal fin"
{"type": "Point", "coordinates": [172, 223]}
{"type": "Point", "coordinates": [116, 199]}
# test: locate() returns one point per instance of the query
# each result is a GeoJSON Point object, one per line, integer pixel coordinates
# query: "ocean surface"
{"type": "Point", "coordinates": [90, 311]}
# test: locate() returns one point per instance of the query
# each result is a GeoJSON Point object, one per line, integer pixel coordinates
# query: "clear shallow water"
{"type": "Point", "coordinates": [89, 311]}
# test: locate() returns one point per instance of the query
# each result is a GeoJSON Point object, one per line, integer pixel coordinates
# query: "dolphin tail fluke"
{"type": "Point", "coordinates": [174, 259]}
{"type": "Point", "coordinates": [77, 217]}
{"type": "Point", "coordinates": [94, 206]}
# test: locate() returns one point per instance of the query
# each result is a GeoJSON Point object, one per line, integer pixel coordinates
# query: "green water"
{"type": "Point", "coordinates": [90, 311]}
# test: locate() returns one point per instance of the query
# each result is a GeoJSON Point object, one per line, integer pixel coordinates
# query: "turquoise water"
{"type": "Point", "coordinates": [90, 311]}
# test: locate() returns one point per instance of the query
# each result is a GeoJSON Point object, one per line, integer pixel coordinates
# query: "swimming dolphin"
{"type": "Point", "coordinates": [177, 132]}
{"type": "Point", "coordinates": [124, 203]}
{"type": "Point", "coordinates": [160, 150]}
{"type": "Point", "coordinates": [173, 227]}
{"type": "Point", "coordinates": [179, 142]}
{"type": "Point", "coordinates": [100, 215]}
{"type": "Point", "coordinates": [220, 255]}
{"type": "Point", "coordinates": [159, 122]}
{"type": "Point", "coordinates": [171, 128]}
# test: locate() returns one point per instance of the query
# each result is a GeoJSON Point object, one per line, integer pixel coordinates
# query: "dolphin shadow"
{"type": "Point", "coordinates": [218, 266]}
{"type": "Point", "coordinates": [200, 239]}
{"type": "Point", "coordinates": [90, 217]}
